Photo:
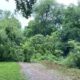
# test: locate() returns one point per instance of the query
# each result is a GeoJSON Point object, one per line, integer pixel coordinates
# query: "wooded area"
{"type": "Point", "coordinates": [53, 35]}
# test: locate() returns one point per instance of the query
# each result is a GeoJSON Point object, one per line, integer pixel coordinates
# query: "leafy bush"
{"type": "Point", "coordinates": [40, 48]}
{"type": "Point", "coordinates": [38, 57]}
{"type": "Point", "coordinates": [73, 59]}
{"type": "Point", "coordinates": [33, 46]}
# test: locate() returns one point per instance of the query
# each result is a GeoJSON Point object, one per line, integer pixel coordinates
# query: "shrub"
{"type": "Point", "coordinates": [73, 59]}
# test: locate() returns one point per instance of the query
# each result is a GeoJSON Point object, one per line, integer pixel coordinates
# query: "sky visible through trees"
{"type": "Point", "coordinates": [11, 7]}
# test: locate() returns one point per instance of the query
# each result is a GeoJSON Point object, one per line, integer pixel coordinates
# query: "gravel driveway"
{"type": "Point", "coordinates": [35, 71]}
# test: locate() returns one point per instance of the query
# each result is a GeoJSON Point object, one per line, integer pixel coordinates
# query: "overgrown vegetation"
{"type": "Point", "coordinates": [10, 38]}
{"type": "Point", "coordinates": [53, 35]}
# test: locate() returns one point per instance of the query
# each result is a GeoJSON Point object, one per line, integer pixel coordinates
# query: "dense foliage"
{"type": "Point", "coordinates": [10, 38]}
{"type": "Point", "coordinates": [25, 6]}
{"type": "Point", "coordinates": [53, 35]}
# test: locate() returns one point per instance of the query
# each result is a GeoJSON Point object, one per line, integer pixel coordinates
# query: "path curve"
{"type": "Point", "coordinates": [35, 71]}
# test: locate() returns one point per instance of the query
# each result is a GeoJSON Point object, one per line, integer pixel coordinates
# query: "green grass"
{"type": "Point", "coordinates": [10, 71]}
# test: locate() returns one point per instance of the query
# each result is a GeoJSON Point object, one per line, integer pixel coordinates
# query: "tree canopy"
{"type": "Point", "coordinates": [25, 6]}
{"type": "Point", "coordinates": [53, 35]}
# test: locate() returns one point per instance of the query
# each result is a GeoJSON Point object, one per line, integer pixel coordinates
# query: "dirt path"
{"type": "Point", "coordinates": [35, 71]}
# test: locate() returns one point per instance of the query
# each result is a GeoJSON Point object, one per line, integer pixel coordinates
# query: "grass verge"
{"type": "Point", "coordinates": [10, 71]}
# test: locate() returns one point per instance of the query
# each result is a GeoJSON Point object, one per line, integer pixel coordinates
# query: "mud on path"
{"type": "Point", "coordinates": [35, 71]}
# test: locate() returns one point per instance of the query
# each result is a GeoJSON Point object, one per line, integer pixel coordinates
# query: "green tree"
{"type": "Point", "coordinates": [10, 38]}
{"type": "Point", "coordinates": [71, 23]}
{"type": "Point", "coordinates": [25, 6]}
{"type": "Point", "coordinates": [47, 19]}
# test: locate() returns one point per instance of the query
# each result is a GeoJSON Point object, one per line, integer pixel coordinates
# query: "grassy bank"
{"type": "Point", "coordinates": [74, 73]}
{"type": "Point", "coordinates": [10, 71]}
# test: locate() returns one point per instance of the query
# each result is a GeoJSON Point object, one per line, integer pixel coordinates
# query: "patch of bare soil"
{"type": "Point", "coordinates": [36, 71]}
